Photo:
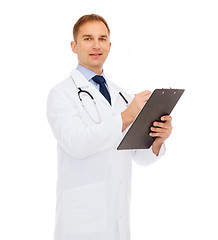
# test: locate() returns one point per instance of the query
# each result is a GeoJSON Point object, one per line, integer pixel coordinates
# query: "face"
{"type": "Point", "coordinates": [92, 45]}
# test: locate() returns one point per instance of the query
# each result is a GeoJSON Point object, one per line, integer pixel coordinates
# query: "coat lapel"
{"type": "Point", "coordinates": [79, 79]}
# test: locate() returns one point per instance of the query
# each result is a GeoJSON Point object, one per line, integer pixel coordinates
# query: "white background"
{"type": "Point", "coordinates": [155, 44]}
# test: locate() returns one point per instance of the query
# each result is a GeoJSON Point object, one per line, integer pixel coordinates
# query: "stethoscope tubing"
{"type": "Point", "coordinates": [90, 95]}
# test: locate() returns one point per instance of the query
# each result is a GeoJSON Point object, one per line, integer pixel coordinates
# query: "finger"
{"type": "Point", "coordinates": [166, 118]}
{"type": "Point", "coordinates": [160, 130]}
{"type": "Point", "coordinates": [158, 134]}
{"type": "Point", "coordinates": [146, 96]}
{"type": "Point", "coordinates": [154, 134]}
{"type": "Point", "coordinates": [165, 125]}
{"type": "Point", "coordinates": [145, 93]}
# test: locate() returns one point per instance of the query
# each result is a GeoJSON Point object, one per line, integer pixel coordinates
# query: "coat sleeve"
{"type": "Point", "coordinates": [147, 157]}
{"type": "Point", "coordinates": [76, 138]}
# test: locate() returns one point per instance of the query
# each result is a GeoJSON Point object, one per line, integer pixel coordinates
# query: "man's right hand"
{"type": "Point", "coordinates": [129, 115]}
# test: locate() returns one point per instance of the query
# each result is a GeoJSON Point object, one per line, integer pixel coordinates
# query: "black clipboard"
{"type": "Point", "coordinates": [160, 103]}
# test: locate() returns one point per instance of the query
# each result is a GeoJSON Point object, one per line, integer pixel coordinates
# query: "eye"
{"type": "Point", "coordinates": [87, 38]}
{"type": "Point", "coordinates": [102, 39]}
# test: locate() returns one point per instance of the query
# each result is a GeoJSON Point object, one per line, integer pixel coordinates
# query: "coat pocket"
{"type": "Point", "coordinates": [84, 209]}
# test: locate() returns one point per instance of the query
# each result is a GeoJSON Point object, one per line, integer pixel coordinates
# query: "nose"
{"type": "Point", "coordinates": [96, 44]}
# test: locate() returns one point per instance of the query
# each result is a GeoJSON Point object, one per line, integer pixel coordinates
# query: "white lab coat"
{"type": "Point", "coordinates": [94, 179]}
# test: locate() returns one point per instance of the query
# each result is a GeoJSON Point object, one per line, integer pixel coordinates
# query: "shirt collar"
{"type": "Point", "coordinates": [87, 73]}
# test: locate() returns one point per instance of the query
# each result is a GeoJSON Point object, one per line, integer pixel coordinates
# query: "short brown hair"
{"type": "Point", "coordinates": [88, 18]}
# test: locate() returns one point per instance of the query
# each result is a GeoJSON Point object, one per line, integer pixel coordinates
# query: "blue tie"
{"type": "Point", "coordinates": [101, 81]}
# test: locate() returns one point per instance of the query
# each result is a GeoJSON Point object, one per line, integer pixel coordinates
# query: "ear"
{"type": "Point", "coordinates": [73, 46]}
{"type": "Point", "coordinates": [110, 46]}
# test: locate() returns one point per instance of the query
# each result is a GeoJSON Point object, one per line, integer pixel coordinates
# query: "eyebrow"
{"type": "Point", "coordinates": [106, 36]}
{"type": "Point", "coordinates": [86, 35]}
{"type": "Point", "coordinates": [89, 35]}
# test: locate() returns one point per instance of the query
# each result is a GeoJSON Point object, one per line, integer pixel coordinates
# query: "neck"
{"type": "Point", "coordinates": [97, 70]}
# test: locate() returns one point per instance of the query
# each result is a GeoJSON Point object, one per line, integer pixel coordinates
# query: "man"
{"type": "Point", "coordinates": [89, 116]}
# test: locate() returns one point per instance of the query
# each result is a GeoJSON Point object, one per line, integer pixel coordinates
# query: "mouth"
{"type": "Point", "coordinates": [95, 54]}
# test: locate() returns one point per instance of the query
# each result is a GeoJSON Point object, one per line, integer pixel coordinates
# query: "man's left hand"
{"type": "Point", "coordinates": [161, 130]}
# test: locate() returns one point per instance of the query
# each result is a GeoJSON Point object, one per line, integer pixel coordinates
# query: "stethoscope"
{"type": "Point", "coordinates": [80, 91]}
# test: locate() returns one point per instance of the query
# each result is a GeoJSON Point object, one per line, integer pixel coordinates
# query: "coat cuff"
{"type": "Point", "coordinates": [146, 156]}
